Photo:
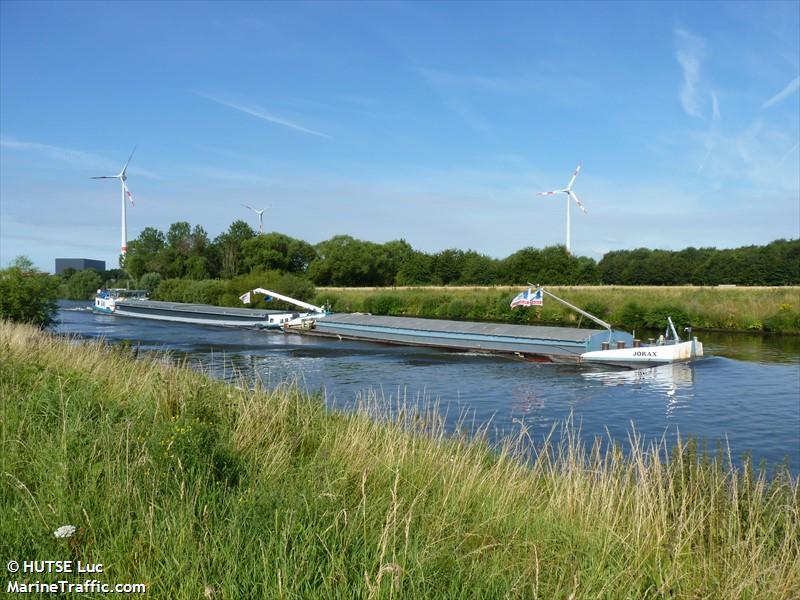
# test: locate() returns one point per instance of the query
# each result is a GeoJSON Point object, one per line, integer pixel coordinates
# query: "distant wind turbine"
{"type": "Point", "coordinates": [570, 194]}
{"type": "Point", "coordinates": [260, 214]}
{"type": "Point", "coordinates": [122, 176]}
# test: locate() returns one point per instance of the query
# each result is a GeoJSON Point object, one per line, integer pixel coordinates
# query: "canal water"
{"type": "Point", "coordinates": [745, 394]}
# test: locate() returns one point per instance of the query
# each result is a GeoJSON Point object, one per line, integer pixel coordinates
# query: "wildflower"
{"type": "Point", "coordinates": [65, 531]}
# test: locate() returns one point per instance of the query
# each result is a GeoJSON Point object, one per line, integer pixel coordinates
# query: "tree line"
{"type": "Point", "coordinates": [186, 252]}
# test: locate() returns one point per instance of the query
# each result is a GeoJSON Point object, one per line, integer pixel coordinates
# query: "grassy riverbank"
{"type": "Point", "coordinates": [769, 309]}
{"type": "Point", "coordinates": [198, 488]}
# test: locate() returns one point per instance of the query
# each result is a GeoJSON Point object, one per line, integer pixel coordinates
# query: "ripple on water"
{"type": "Point", "coordinates": [754, 404]}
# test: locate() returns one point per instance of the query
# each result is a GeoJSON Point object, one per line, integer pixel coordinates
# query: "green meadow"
{"type": "Point", "coordinates": [200, 489]}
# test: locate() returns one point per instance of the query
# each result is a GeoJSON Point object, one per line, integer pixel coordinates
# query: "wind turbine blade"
{"type": "Point", "coordinates": [125, 168]}
{"type": "Point", "coordinates": [250, 207]}
{"type": "Point", "coordinates": [106, 177]}
{"type": "Point", "coordinates": [128, 194]}
{"type": "Point", "coordinates": [574, 175]}
{"type": "Point", "coordinates": [577, 201]}
{"type": "Point", "coordinates": [549, 193]}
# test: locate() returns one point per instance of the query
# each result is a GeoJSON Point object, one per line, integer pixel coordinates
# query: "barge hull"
{"type": "Point", "coordinates": [201, 314]}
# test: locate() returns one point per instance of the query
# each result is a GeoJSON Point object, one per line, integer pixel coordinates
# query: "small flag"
{"type": "Point", "coordinates": [245, 298]}
{"type": "Point", "coordinates": [528, 298]}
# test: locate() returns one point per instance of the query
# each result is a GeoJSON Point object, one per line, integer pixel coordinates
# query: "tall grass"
{"type": "Point", "coordinates": [199, 488]}
{"type": "Point", "coordinates": [771, 309]}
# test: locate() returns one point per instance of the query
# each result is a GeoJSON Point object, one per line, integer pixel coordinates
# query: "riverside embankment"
{"type": "Point", "coordinates": [196, 487]}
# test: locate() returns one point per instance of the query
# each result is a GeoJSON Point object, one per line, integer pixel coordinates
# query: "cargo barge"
{"type": "Point", "coordinates": [529, 342]}
{"type": "Point", "coordinates": [134, 303]}
{"type": "Point", "coordinates": [545, 344]}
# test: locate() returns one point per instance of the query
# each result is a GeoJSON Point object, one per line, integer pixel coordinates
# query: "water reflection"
{"type": "Point", "coordinates": [752, 404]}
{"type": "Point", "coordinates": [675, 382]}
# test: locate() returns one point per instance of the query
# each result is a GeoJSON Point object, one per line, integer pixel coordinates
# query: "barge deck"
{"type": "Point", "coordinates": [530, 342]}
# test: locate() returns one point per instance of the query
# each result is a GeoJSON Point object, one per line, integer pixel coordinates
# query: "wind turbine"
{"type": "Point", "coordinates": [122, 176]}
{"type": "Point", "coordinates": [260, 214]}
{"type": "Point", "coordinates": [570, 194]}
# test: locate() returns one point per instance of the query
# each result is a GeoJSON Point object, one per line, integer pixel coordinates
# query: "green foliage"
{"type": "Point", "coordinates": [83, 284]}
{"type": "Point", "coordinates": [205, 291]}
{"type": "Point", "coordinates": [276, 251]}
{"type": "Point", "coordinates": [186, 252]}
{"type": "Point", "coordinates": [226, 293]}
{"type": "Point", "coordinates": [27, 295]}
{"type": "Point", "coordinates": [228, 249]}
{"type": "Point", "coordinates": [383, 304]}
{"type": "Point", "coordinates": [149, 282]}
{"type": "Point", "coordinates": [786, 319]}
{"type": "Point", "coordinates": [777, 263]}
{"type": "Point", "coordinates": [283, 283]}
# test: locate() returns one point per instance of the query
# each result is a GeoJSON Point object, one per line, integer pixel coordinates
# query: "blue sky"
{"type": "Point", "coordinates": [432, 122]}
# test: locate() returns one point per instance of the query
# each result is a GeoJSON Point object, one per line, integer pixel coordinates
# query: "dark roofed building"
{"type": "Point", "coordinates": [79, 264]}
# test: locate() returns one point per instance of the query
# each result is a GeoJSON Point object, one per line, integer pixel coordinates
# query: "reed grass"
{"type": "Point", "coordinates": [202, 489]}
{"type": "Point", "coordinates": [768, 309]}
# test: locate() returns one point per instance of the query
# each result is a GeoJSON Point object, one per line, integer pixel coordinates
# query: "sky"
{"type": "Point", "coordinates": [434, 122]}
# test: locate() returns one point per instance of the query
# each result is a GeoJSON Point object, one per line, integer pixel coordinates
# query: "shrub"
{"type": "Point", "coordinates": [83, 284]}
{"type": "Point", "coordinates": [383, 304]}
{"type": "Point", "coordinates": [149, 282]}
{"type": "Point", "coordinates": [28, 295]}
{"type": "Point", "coordinates": [785, 320]}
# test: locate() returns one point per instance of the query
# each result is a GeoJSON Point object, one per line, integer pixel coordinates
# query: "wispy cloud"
{"type": "Point", "coordinates": [76, 158]}
{"type": "Point", "coordinates": [259, 113]}
{"type": "Point", "coordinates": [227, 175]}
{"type": "Point", "coordinates": [715, 116]}
{"type": "Point", "coordinates": [790, 89]}
{"type": "Point", "coordinates": [690, 52]}
{"type": "Point", "coordinates": [788, 153]}
{"type": "Point", "coordinates": [52, 152]}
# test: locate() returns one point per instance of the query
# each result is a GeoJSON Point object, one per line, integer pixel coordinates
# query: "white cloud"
{"type": "Point", "coordinates": [790, 88]}
{"type": "Point", "coordinates": [689, 53]}
{"type": "Point", "coordinates": [76, 158]}
{"type": "Point", "coordinates": [262, 114]}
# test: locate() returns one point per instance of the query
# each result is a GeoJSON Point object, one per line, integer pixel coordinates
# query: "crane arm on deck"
{"type": "Point", "coordinates": [294, 301]}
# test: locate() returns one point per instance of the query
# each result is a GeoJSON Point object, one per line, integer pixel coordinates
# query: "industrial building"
{"type": "Point", "coordinates": [79, 264]}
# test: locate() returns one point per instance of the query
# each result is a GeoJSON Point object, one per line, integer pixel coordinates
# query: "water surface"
{"type": "Point", "coordinates": [744, 394]}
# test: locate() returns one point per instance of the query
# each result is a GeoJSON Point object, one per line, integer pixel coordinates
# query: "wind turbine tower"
{"type": "Point", "coordinates": [570, 194]}
{"type": "Point", "coordinates": [123, 177]}
{"type": "Point", "coordinates": [260, 214]}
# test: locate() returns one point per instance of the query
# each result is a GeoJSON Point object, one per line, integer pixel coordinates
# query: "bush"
{"type": "Point", "coordinates": [632, 316]}
{"type": "Point", "coordinates": [785, 320]}
{"type": "Point", "coordinates": [383, 304]}
{"type": "Point", "coordinates": [27, 295]}
{"type": "Point", "coordinates": [83, 285]}
{"type": "Point", "coordinates": [656, 318]}
{"type": "Point", "coordinates": [282, 283]}
{"type": "Point", "coordinates": [149, 282]}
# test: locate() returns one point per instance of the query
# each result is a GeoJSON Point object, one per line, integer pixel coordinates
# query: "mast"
{"type": "Point", "coordinates": [573, 307]}
{"type": "Point", "coordinates": [568, 199]}
{"type": "Point", "coordinates": [124, 233]}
